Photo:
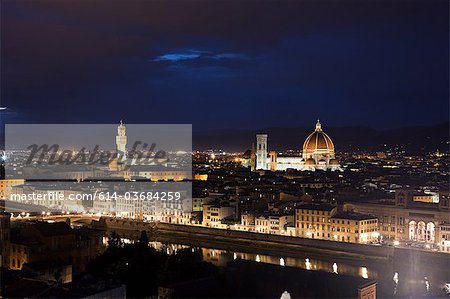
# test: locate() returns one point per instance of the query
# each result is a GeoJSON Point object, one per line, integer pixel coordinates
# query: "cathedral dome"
{"type": "Point", "coordinates": [310, 161]}
{"type": "Point", "coordinates": [318, 140]}
{"type": "Point", "coordinates": [334, 162]}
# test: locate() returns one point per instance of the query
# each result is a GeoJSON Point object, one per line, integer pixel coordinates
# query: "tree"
{"type": "Point", "coordinates": [143, 240]}
{"type": "Point", "coordinates": [114, 241]}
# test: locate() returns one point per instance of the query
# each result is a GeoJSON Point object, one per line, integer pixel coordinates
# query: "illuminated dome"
{"type": "Point", "coordinates": [334, 162]}
{"type": "Point", "coordinates": [310, 161]}
{"type": "Point", "coordinates": [318, 141]}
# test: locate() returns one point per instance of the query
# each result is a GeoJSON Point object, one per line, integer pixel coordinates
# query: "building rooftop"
{"type": "Point", "coordinates": [317, 207]}
{"type": "Point", "coordinates": [53, 229]}
{"type": "Point", "coordinates": [353, 216]}
{"type": "Point", "coordinates": [143, 168]}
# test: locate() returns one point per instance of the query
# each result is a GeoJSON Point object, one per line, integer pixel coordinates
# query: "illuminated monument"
{"type": "Point", "coordinates": [318, 149]}
{"type": "Point", "coordinates": [318, 153]}
{"type": "Point", "coordinates": [121, 139]}
{"type": "Point", "coordinates": [121, 148]}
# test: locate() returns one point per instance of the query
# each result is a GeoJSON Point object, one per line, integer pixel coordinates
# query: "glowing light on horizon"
{"type": "Point", "coordinates": [335, 268]}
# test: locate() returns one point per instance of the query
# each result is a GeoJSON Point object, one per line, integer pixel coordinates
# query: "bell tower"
{"type": "Point", "coordinates": [121, 140]}
{"type": "Point", "coordinates": [261, 151]}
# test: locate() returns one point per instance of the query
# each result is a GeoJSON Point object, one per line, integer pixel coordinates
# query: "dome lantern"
{"type": "Point", "coordinates": [318, 126]}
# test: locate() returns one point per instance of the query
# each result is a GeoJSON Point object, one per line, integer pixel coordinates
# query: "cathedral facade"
{"type": "Point", "coordinates": [317, 154]}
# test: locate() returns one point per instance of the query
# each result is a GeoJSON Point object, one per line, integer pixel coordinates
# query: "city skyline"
{"type": "Point", "coordinates": [224, 149]}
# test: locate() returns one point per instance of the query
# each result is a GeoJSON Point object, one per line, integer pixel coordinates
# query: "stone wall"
{"type": "Point", "coordinates": [173, 232]}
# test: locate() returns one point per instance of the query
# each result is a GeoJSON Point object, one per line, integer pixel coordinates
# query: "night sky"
{"type": "Point", "coordinates": [225, 64]}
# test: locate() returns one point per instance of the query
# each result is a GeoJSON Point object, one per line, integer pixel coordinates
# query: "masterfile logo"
{"type": "Point", "coordinates": [93, 168]}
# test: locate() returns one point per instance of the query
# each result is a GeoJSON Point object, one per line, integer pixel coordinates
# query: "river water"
{"type": "Point", "coordinates": [401, 277]}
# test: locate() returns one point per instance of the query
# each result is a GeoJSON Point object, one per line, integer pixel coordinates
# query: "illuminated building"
{"type": "Point", "coordinates": [443, 239]}
{"type": "Point", "coordinates": [201, 177]}
{"type": "Point", "coordinates": [323, 221]}
{"type": "Point", "coordinates": [430, 198]}
{"type": "Point", "coordinates": [214, 212]}
{"type": "Point", "coordinates": [265, 223]}
{"type": "Point", "coordinates": [116, 163]}
{"type": "Point", "coordinates": [121, 139]}
{"type": "Point", "coordinates": [261, 151]}
{"type": "Point", "coordinates": [159, 172]}
{"type": "Point", "coordinates": [318, 153]}
{"type": "Point", "coordinates": [6, 186]}
{"type": "Point", "coordinates": [409, 220]}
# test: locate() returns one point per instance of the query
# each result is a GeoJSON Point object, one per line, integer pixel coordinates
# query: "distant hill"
{"type": "Point", "coordinates": [414, 139]}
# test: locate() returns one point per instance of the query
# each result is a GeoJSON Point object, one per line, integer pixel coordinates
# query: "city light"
{"type": "Point", "coordinates": [335, 268]}
{"type": "Point", "coordinates": [275, 132]}
{"type": "Point", "coordinates": [307, 264]}
{"type": "Point", "coordinates": [364, 273]}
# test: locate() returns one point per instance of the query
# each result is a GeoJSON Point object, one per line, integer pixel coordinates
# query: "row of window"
{"type": "Point", "coordinates": [337, 229]}
{"type": "Point", "coordinates": [348, 222]}
{"type": "Point", "coordinates": [315, 212]}
{"type": "Point", "coordinates": [392, 219]}
{"type": "Point", "coordinates": [335, 237]}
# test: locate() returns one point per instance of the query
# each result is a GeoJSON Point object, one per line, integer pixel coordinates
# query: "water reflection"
{"type": "Point", "coordinates": [395, 279]}
{"type": "Point", "coordinates": [427, 284]}
{"type": "Point", "coordinates": [335, 268]}
{"type": "Point", "coordinates": [386, 273]}
{"type": "Point", "coordinates": [307, 264]}
{"type": "Point", "coordinates": [222, 257]}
